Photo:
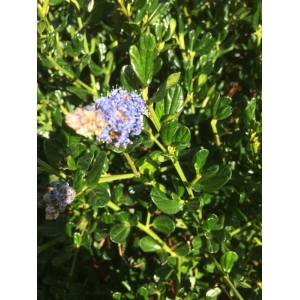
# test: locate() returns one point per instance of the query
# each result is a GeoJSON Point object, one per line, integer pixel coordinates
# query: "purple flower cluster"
{"type": "Point", "coordinates": [57, 199]}
{"type": "Point", "coordinates": [112, 118]}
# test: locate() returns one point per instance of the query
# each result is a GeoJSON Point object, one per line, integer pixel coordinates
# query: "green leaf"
{"type": "Point", "coordinates": [212, 246]}
{"type": "Point", "coordinates": [129, 79]}
{"type": "Point", "coordinates": [85, 161]}
{"type": "Point", "coordinates": [199, 159]}
{"type": "Point", "coordinates": [63, 257]}
{"type": "Point", "coordinates": [62, 24]}
{"type": "Point", "coordinates": [210, 171]}
{"type": "Point", "coordinates": [70, 137]}
{"type": "Point", "coordinates": [107, 218]}
{"type": "Point", "coordinates": [52, 152]}
{"type": "Point", "coordinates": [79, 92]}
{"type": "Point", "coordinates": [119, 232]}
{"type": "Point", "coordinates": [41, 26]}
{"type": "Point", "coordinates": [182, 249]}
{"type": "Point", "coordinates": [182, 137]}
{"type": "Point", "coordinates": [166, 205]}
{"type": "Point", "coordinates": [98, 196]}
{"type": "Point", "coordinates": [173, 80]}
{"type": "Point", "coordinates": [214, 183]}
{"type": "Point", "coordinates": [167, 132]}
{"type": "Point", "coordinates": [205, 45]}
{"type": "Point", "coordinates": [77, 149]}
{"type": "Point", "coordinates": [51, 229]}
{"type": "Point", "coordinates": [71, 163]}
{"type": "Point", "coordinates": [95, 173]}
{"type": "Point", "coordinates": [202, 80]}
{"type": "Point", "coordinates": [78, 178]}
{"type": "Point", "coordinates": [210, 222]}
{"type": "Point", "coordinates": [122, 216]}
{"type": "Point", "coordinates": [55, 2]}
{"type": "Point", "coordinates": [197, 245]}
{"type": "Point", "coordinates": [95, 69]}
{"type": "Point", "coordinates": [57, 116]}
{"type": "Point", "coordinates": [143, 292]}
{"type": "Point", "coordinates": [117, 296]}
{"type": "Point", "coordinates": [158, 13]}
{"type": "Point", "coordinates": [170, 82]}
{"type": "Point", "coordinates": [178, 185]}
{"type": "Point", "coordinates": [164, 224]}
{"type": "Point", "coordinates": [163, 256]}
{"type": "Point", "coordinates": [171, 29]}
{"type": "Point", "coordinates": [77, 238]}
{"type": "Point", "coordinates": [148, 244]}
{"type": "Point", "coordinates": [142, 61]}
{"type": "Point", "coordinates": [130, 27]}
{"type": "Point", "coordinates": [157, 65]}
{"type": "Point", "coordinates": [138, 4]}
{"type": "Point", "coordinates": [213, 293]}
{"type": "Point", "coordinates": [227, 261]}
{"type": "Point", "coordinates": [163, 273]}
{"type": "Point", "coordinates": [220, 108]}
{"type": "Point", "coordinates": [173, 101]}
{"type": "Point", "coordinates": [256, 17]}
{"type": "Point", "coordinates": [193, 204]}
{"type": "Point", "coordinates": [250, 110]}
{"type": "Point", "coordinates": [219, 235]}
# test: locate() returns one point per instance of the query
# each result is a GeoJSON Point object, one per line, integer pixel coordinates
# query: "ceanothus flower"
{"type": "Point", "coordinates": [111, 118]}
{"type": "Point", "coordinates": [58, 198]}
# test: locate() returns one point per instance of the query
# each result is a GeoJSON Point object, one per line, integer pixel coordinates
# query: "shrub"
{"type": "Point", "coordinates": [149, 130]}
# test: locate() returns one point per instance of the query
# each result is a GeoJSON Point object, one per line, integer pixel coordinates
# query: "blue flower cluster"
{"type": "Point", "coordinates": [57, 199]}
{"type": "Point", "coordinates": [112, 118]}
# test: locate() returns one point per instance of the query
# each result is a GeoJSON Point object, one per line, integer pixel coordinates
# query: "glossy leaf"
{"type": "Point", "coordinates": [77, 149]}
{"type": "Point", "coordinates": [182, 137]}
{"type": "Point", "coordinates": [77, 184]}
{"type": "Point", "coordinates": [182, 249]}
{"type": "Point", "coordinates": [220, 106]}
{"type": "Point", "coordinates": [84, 161]}
{"type": "Point", "coordinates": [202, 80]}
{"type": "Point", "coordinates": [71, 163]}
{"type": "Point", "coordinates": [213, 293]}
{"type": "Point", "coordinates": [148, 244]}
{"type": "Point", "coordinates": [205, 45]}
{"type": "Point", "coordinates": [142, 60]}
{"type": "Point", "coordinates": [52, 152]}
{"type": "Point", "coordinates": [210, 222]}
{"type": "Point", "coordinates": [213, 183]}
{"type": "Point", "coordinates": [210, 171]}
{"type": "Point", "coordinates": [178, 185]}
{"type": "Point", "coordinates": [227, 261]}
{"type": "Point", "coordinates": [171, 29]}
{"type": "Point", "coordinates": [70, 137]}
{"type": "Point", "coordinates": [170, 82]}
{"type": "Point", "coordinates": [199, 159]}
{"type": "Point", "coordinates": [122, 216]}
{"type": "Point", "coordinates": [163, 273]}
{"type": "Point", "coordinates": [211, 246]}
{"type": "Point", "coordinates": [167, 132]}
{"type": "Point", "coordinates": [250, 110]}
{"type": "Point", "coordinates": [159, 12]}
{"type": "Point", "coordinates": [98, 196]}
{"type": "Point", "coordinates": [77, 238]}
{"type": "Point", "coordinates": [119, 232]}
{"type": "Point", "coordinates": [164, 204]}
{"type": "Point", "coordinates": [130, 28]}
{"type": "Point", "coordinates": [79, 92]}
{"type": "Point", "coordinates": [95, 172]}
{"type": "Point", "coordinates": [164, 224]}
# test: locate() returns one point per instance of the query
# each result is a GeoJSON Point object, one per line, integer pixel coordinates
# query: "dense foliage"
{"type": "Point", "coordinates": [162, 203]}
